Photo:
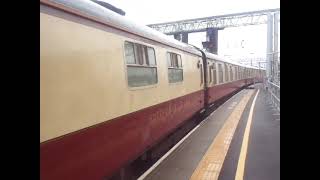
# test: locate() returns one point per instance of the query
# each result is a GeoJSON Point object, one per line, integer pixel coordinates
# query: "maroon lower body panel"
{"type": "Point", "coordinates": [101, 150]}
{"type": "Point", "coordinates": [218, 91]}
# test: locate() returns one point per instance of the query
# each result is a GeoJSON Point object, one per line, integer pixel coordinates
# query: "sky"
{"type": "Point", "coordinates": [254, 38]}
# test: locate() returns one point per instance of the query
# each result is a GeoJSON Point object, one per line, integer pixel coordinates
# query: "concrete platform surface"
{"type": "Point", "coordinates": [212, 150]}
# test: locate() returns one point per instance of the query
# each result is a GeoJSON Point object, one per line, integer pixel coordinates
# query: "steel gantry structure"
{"type": "Point", "coordinates": [211, 25]}
{"type": "Point", "coordinates": [218, 22]}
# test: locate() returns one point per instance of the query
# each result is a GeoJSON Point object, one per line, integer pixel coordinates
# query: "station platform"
{"type": "Point", "coordinates": [239, 140]}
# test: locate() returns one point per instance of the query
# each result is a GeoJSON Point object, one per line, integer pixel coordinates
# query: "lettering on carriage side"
{"type": "Point", "coordinates": [173, 108]}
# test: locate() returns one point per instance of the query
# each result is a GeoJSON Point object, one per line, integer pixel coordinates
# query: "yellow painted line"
{"type": "Point", "coordinates": [244, 147]}
{"type": "Point", "coordinates": [211, 163]}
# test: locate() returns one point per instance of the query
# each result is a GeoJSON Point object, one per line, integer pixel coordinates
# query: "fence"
{"type": "Point", "coordinates": [273, 92]}
{"type": "Point", "coordinates": [272, 83]}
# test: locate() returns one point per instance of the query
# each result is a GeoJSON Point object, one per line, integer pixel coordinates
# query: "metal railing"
{"type": "Point", "coordinates": [272, 83]}
{"type": "Point", "coordinates": [275, 67]}
{"type": "Point", "coordinates": [273, 92]}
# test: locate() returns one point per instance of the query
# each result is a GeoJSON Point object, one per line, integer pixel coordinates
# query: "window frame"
{"type": "Point", "coordinates": [227, 73]}
{"type": "Point", "coordinates": [221, 69]}
{"type": "Point", "coordinates": [176, 65]}
{"type": "Point", "coordinates": [144, 45]}
{"type": "Point", "coordinates": [214, 73]}
{"type": "Point", "coordinates": [231, 73]}
{"type": "Point", "coordinates": [236, 73]}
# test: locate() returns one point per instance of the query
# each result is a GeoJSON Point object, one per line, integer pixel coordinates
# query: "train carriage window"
{"type": "Point", "coordinates": [141, 76]}
{"type": "Point", "coordinates": [231, 73]}
{"type": "Point", "coordinates": [138, 51]}
{"type": "Point", "coordinates": [168, 59]}
{"type": "Point", "coordinates": [175, 75]}
{"type": "Point", "coordinates": [242, 73]}
{"type": "Point", "coordinates": [226, 71]}
{"type": "Point", "coordinates": [175, 70]}
{"type": "Point", "coordinates": [220, 71]}
{"type": "Point", "coordinates": [214, 73]}
{"type": "Point", "coordinates": [141, 65]}
{"type": "Point", "coordinates": [179, 61]}
{"type": "Point", "coordinates": [129, 51]}
{"type": "Point", "coordinates": [209, 67]}
{"type": "Point", "coordinates": [236, 73]}
{"type": "Point", "coordinates": [245, 73]}
{"type": "Point", "coordinates": [151, 56]}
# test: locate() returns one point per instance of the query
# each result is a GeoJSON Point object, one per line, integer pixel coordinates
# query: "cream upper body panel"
{"type": "Point", "coordinates": [83, 77]}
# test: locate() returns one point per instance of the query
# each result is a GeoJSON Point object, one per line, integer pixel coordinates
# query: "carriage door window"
{"type": "Point", "coordinates": [199, 65]}
{"type": "Point", "coordinates": [141, 64]}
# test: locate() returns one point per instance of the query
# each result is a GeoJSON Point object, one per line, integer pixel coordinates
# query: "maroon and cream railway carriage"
{"type": "Point", "coordinates": [110, 89]}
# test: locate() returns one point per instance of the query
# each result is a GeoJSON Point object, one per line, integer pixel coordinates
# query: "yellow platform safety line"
{"type": "Point", "coordinates": [244, 146]}
{"type": "Point", "coordinates": [211, 163]}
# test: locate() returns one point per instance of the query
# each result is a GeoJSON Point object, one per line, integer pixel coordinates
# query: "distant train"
{"type": "Point", "coordinates": [110, 89]}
